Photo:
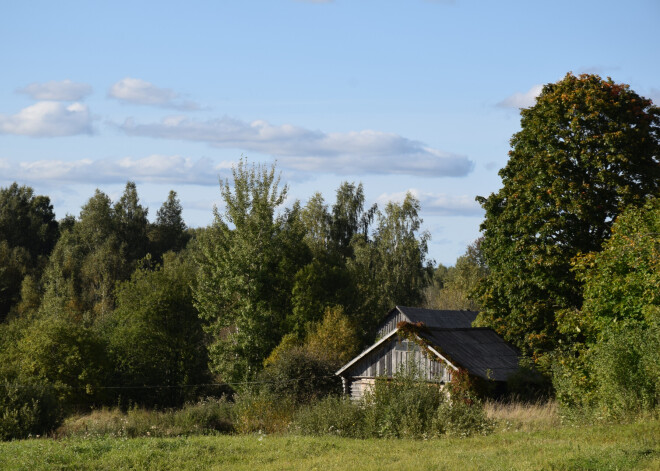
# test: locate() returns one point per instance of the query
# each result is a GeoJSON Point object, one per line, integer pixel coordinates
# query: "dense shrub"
{"type": "Point", "coordinates": [617, 378]}
{"type": "Point", "coordinates": [28, 406]}
{"type": "Point", "coordinates": [332, 415]}
{"type": "Point", "coordinates": [401, 407]}
{"type": "Point", "coordinates": [299, 374]}
{"type": "Point", "coordinates": [461, 418]}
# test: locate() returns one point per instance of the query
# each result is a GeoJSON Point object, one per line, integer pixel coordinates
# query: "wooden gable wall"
{"type": "Point", "coordinates": [395, 355]}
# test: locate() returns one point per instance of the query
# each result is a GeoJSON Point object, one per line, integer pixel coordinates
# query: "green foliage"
{"type": "Point", "coordinates": [322, 283]}
{"type": "Point", "coordinates": [70, 357]}
{"type": "Point", "coordinates": [244, 282]}
{"type": "Point", "coordinates": [332, 415]}
{"type": "Point", "coordinates": [587, 149]}
{"type": "Point", "coordinates": [130, 223]}
{"type": "Point", "coordinates": [391, 269]}
{"type": "Point", "coordinates": [612, 367]}
{"type": "Point", "coordinates": [300, 375]}
{"type": "Point", "coordinates": [616, 379]}
{"type": "Point", "coordinates": [156, 338]}
{"type": "Point", "coordinates": [454, 288]}
{"type": "Point", "coordinates": [14, 266]}
{"type": "Point", "coordinates": [28, 232]}
{"type": "Point", "coordinates": [349, 217]}
{"type": "Point", "coordinates": [621, 281]}
{"type": "Point", "coordinates": [28, 406]}
{"type": "Point", "coordinates": [403, 406]}
{"type": "Point", "coordinates": [27, 220]}
{"type": "Point", "coordinates": [169, 230]}
{"type": "Point", "coordinates": [334, 339]}
{"type": "Point", "coordinates": [86, 263]}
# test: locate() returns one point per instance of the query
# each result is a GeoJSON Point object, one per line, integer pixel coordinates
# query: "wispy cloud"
{"type": "Point", "coordinates": [304, 150]}
{"type": "Point", "coordinates": [171, 169]}
{"type": "Point", "coordinates": [136, 91]}
{"type": "Point", "coordinates": [522, 100]}
{"type": "Point", "coordinates": [438, 203]}
{"type": "Point", "coordinates": [48, 119]}
{"type": "Point", "coordinates": [64, 90]}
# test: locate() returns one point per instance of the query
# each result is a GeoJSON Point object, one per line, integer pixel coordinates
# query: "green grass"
{"type": "Point", "coordinates": [601, 447]}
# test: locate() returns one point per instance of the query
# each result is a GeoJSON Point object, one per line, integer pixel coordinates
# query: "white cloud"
{"type": "Point", "coordinates": [437, 203]}
{"type": "Point", "coordinates": [153, 169]}
{"type": "Point", "coordinates": [132, 90]}
{"type": "Point", "coordinates": [65, 90]}
{"type": "Point", "coordinates": [522, 100]}
{"type": "Point", "coordinates": [300, 149]}
{"type": "Point", "coordinates": [48, 119]}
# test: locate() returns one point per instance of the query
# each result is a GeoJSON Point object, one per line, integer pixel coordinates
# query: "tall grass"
{"type": "Point", "coordinates": [204, 417]}
{"type": "Point", "coordinates": [523, 416]}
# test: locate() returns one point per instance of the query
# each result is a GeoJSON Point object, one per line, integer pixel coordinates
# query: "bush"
{"type": "Point", "coordinates": [300, 375]}
{"type": "Point", "coordinates": [403, 406]}
{"type": "Point", "coordinates": [263, 412]}
{"type": "Point", "coordinates": [332, 415]}
{"type": "Point", "coordinates": [28, 406]}
{"type": "Point", "coordinates": [617, 379]}
{"type": "Point", "coordinates": [461, 418]}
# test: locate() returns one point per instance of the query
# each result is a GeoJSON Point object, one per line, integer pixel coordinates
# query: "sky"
{"type": "Point", "coordinates": [403, 96]}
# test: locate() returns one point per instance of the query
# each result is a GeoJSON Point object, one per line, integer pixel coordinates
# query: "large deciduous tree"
{"type": "Point", "coordinates": [244, 281]}
{"type": "Point", "coordinates": [588, 148]}
{"type": "Point", "coordinates": [391, 269]}
{"type": "Point", "coordinates": [156, 337]}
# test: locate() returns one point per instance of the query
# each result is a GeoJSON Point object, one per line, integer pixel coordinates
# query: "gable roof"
{"type": "Point", "coordinates": [451, 337]}
{"type": "Point", "coordinates": [480, 351]}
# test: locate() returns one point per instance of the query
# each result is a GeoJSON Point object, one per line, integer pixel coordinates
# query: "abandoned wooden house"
{"type": "Point", "coordinates": [438, 342]}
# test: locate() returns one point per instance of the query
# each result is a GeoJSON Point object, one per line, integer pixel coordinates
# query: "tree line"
{"type": "Point", "coordinates": [109, 308]}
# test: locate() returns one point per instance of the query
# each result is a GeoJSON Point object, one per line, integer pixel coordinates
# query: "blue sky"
{"type": "Point", "coordinates": [412, 95]}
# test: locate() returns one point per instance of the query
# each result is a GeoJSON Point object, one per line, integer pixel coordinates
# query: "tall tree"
{"type": "Point", "coordinates": [87, 261]}
{"type": "Point", "coordinates": [586, 149]}
{"type": "Point", "coordinates": [27, 220]}
{"type": "Point", "coordinates": [244, 279]}
{"type": "Point", "coordinates": [28, 233]}
{"type": "Point", "coordinates": [391, 269]}
{"type": "Point", "coordinates": [349, 217]}
{"type": "Point", "coordinates": [169, 230]}
{"type": "Point", "coordinates": [156, 337]}
{"type": "Point", "coordinates": [130, 219]}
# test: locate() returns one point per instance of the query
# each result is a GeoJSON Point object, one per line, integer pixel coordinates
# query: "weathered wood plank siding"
{"type": "Point", "coordinates": [396, 355]}
{"type": "Point", "coordinates": [390, 322]}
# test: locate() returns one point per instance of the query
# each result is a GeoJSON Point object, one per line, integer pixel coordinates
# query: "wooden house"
{"type": "Point", "coordinates": [438, 342]}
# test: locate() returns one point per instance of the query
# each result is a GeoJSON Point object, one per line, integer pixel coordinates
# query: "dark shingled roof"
{"type": "Point", "coordinates": [436, 318]}
{"type": "Point", "coordinates": [479, 350]}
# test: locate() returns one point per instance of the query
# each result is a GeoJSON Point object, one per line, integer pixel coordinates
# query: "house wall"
{"type": "Point", "coordinates": [394, 355]}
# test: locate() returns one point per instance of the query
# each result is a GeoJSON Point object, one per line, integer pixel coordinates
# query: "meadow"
{"type": "Point", "coordinates": [525, 437]}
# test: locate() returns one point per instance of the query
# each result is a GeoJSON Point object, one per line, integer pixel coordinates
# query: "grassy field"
{"type": "Point", "coordinates": [613, 447]}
